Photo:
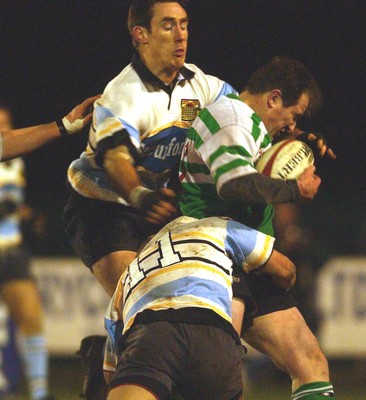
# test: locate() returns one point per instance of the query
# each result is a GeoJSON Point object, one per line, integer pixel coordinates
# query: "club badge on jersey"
{"type": "Point", "coordinates": [190, 109]}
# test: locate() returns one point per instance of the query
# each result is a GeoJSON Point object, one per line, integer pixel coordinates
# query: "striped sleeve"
{"type": "Point", "coordinates": [229, 150]}
{"type": "Point", "coordinates": [106, 124]}
{"type": "Point", "coordinates": [247, 247]}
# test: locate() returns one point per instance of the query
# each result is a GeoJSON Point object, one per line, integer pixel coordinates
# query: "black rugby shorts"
{"type": "Point", "coordinates": [15, 264]}
{"type": "Point", "coordinates": [265, 295]}
{"type": "Point", "coordinates": [196, 361]}
{"type": "Point", "coordinates": [96, 228]}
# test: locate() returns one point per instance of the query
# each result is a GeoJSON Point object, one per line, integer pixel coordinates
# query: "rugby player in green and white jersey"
{"type": "Point", "coordinates": [218, 178]}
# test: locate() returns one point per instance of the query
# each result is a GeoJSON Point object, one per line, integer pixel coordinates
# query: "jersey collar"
{"type": "Point", "coordinates": [147, 76]}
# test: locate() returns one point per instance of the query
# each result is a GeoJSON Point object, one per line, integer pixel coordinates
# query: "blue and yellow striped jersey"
{"type": "Point", "coordinates": [188, 264]}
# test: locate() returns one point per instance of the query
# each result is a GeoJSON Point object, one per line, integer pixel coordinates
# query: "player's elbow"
{"type": "Point", "coordinates": [287, 276]}
{"type": "Point", "coordinates": [290, 274]}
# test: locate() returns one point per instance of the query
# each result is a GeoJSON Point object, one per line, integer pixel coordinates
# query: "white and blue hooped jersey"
{"type": "Point", "coordinates": [155, 117]}
{"type": "Point", "coordinates": [187, 264]}
{"type": "Point", "coordinates": [12, 185]}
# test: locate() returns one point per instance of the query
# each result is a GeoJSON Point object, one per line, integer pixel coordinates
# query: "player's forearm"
{"type": "Point", "coordinates": [259, 189]}
{"type": "Point", "coordinates": [281, 269]}
{"type": "Point", "coordinates": [121, 173]}
{"type": "Point", "coordinates": [21, 141]}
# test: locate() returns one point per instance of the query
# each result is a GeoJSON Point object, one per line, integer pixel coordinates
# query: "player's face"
{"type": "Point", "coordinates": [167, 40]}
{"type": "Point", "coordinates": [282, 118]}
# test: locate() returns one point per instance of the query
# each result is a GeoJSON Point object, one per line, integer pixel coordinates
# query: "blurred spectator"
{"type": "Point", "coordinates": [18, 289]}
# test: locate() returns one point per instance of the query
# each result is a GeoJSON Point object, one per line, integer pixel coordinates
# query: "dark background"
{"type": "Point", "coordinates": [54, 54]}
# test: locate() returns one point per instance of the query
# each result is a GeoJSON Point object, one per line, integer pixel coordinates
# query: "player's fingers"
{"type": "Point", "coordinates": [157, 217]}
{"type": "Point", "coordinates": [163, 208]}
{"type": "Point", "coordinates": [312, 136]}
{"type": "Point", "coordinates": [322, 147]}
{"type": "Point", "coordinates": [89, 101]}
{"type": "Point", "coordinates": [310, 170]}
{"type": "Point", "coordinates": [316, 178]}
{"type": "Point", "coordinates": [150, 217]}
{"type": "Point", "coordinates": [331, 154]}
{"type": "Point", "coordinates": [168, 193]}
{"type": "Point", "coordinates": [87, 119]}
{"type": "Point", "coordinates": [161, 212]}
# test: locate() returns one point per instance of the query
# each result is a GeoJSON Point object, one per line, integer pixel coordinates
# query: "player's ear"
{"type": "Point", "coordinates": [274, 98]}
{"type": "Point", "coordinates": [139, 33]}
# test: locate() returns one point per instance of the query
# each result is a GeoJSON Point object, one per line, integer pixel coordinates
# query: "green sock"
{"type": "Point", "coordinates": [314, 391]}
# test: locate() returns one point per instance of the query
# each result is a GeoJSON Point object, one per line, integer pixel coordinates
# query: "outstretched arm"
{"type": "Point", "coordinates": [259, 189]}
{"type": "Point", "coordinates": [17, 142]}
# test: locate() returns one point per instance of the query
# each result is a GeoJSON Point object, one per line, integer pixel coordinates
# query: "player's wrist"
{"type": "Point", "coordinates": [138, 196]}
{"type": "Point", "coordinates": [66, 127]}
{"type": "Point", "coordinates": [61, 127]}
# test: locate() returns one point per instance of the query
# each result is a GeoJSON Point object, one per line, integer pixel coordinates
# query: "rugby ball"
{"type": "Point", "coordinates": [286, 159]}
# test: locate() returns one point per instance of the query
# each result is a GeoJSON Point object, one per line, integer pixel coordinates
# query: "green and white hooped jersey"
{"type": "Point", "coordinates": [224, 142]}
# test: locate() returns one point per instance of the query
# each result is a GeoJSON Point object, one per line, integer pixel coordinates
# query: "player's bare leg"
{"type": "Point", "coordinates": [285, 337]}
{"type": "Point", "coordinates": [237, 317]}
{"type": "Point", "coordinates": [238, 309]}
{"type": "Point", "coordinates": [130, 392]}
{"type": "Point", "coordinates": [24, 304]}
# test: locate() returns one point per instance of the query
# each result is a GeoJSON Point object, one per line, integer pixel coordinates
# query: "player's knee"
{"type": "Point", "coordinates": [30, 326]}
{"type": "Point", "coordinates": [118, 260]}
{"type": "Point", "coordinates": [109, 269]}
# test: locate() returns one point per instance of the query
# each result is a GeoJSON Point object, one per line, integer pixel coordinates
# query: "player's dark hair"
{"type": "Point", "coordinates": [141, 12]}
{"type": "Point", "coordinates": [291, 77]}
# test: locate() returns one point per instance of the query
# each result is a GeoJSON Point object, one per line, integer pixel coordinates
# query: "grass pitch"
{"type": "Point", "coordinates": [267, 383]}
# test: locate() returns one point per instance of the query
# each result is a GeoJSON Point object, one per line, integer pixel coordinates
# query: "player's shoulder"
{"type": "Point", "coordinates": [225, 108]}
{"type": "Point", "coordinates": [231, 107]}
{"type": "Point", "coordinates": [122, 81]}
{"type": "Point", "coordinates": [202, 76]}
{"type": "Point", "coordinates": [212, 222]}
{"type": "Point", "coordinates": [188, 223]}
{"type": "Point", "coordinates": [126, 86]}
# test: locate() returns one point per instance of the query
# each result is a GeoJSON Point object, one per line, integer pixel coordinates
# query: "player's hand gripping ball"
{"type": "Point", "coordinates": [286, 159]}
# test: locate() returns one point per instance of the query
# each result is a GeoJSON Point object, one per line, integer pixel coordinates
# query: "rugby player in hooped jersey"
{"type": "Point", "coordinates": [139, 127]}
{"type": "Point", "coordinates": [169, 321]}
{"type": "Point", "coordinates": [218, 178]}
